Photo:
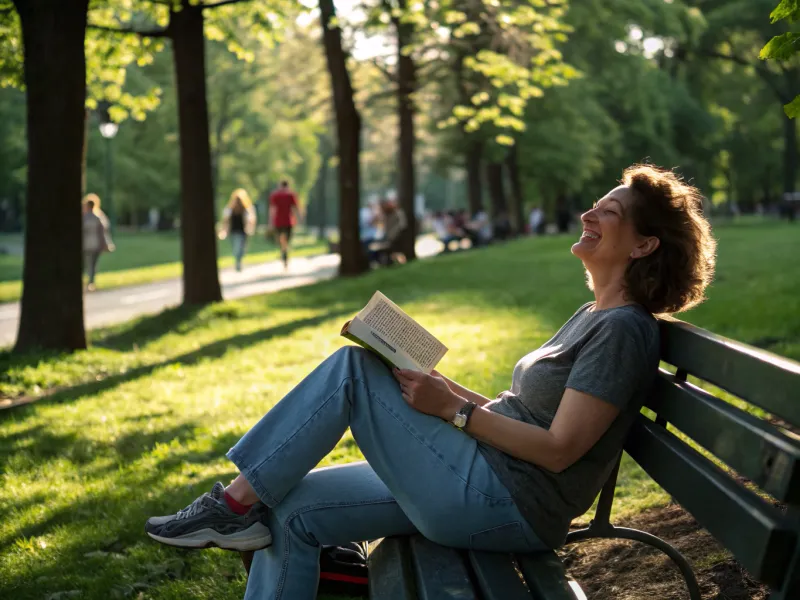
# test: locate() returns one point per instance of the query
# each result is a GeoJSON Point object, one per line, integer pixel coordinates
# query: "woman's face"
{"type": "Point", "coordinates": [609, 238]}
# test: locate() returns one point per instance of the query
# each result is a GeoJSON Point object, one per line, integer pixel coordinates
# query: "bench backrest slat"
{"type": "Point", "coordinates": [750, 445]}
{"type": "Point", "coordinates": [756, 533]}
{"type": "Point", "coordinates": [759, 377]}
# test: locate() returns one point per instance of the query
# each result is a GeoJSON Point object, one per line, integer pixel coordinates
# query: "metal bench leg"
{"type": "Point", "coordinates": [611, 532]}
{"type": "Point", "coordinates": [600, 527]}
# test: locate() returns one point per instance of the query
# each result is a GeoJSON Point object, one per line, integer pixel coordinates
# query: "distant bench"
{"type": "Point", "coordinates": [763, 538]}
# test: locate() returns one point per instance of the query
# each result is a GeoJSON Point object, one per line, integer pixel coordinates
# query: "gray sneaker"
{"type": "Point", "coordinates": [208, 521]}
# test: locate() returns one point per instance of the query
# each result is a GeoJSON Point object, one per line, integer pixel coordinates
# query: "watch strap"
{"type": "Point", "coordinates": [467, 410]}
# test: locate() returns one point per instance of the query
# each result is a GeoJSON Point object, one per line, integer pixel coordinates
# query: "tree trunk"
{"type": "Point", "coordinates": [320, 187]}
{"type": "Point", "coordinates": [55, 76]}
{"type": "Point", "coordinates": [789, 154]}
{"type": "Point", "coordinates": [348, 128]}
{"type": "Point", "coordinates": [198, 241]}
{"type": "Point", "coordinates": [85, 150]}
{"type": "Point", "coordinates": [406, 84]}
{"type": "Point", "coordinates": [474, 147]}
{"type": "Point", "coordinates": [517, 197]}
{"type": "Point", "coordinates": [497, 193]}
{"type": "Point", "coordinates": [474, 183]}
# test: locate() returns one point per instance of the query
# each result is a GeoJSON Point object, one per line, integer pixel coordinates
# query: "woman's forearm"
{"type": "Point", "coordinates": [521, 440]}
{"type": "Point", "coordinates": [467, 393]}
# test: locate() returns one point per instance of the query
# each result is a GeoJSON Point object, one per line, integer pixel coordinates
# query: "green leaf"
{"type": "Point", "coordinates": [787, 9]}
{"type": "Point", "coordinates": [792, 109]}
{"type": "Point", "coordinates": [781, 47]}
{"type": "Point", "coordinates": [504, 140]}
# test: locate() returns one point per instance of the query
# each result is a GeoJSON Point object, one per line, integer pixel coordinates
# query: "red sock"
{"type": "Point", "coordinates": [236, 506]}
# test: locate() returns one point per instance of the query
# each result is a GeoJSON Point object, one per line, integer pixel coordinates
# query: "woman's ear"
{"type": "Point", "coordinates": [645, 246]}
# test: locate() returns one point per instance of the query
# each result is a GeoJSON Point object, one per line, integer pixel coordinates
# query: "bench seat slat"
{"type": "Point", "coordinates": [497, 577]}
{"type": "Point", "coordinates": [753, 530]}
{"type": "Point", "coordinates": [759, 377]}
{"type": "Point", "coordinates": [390, 573]}
{"type": "Point", "coordinates": [545, 575]}
{"type": "Point", "coordinates": [744, 442]}
{"type": "Point", "coordinates": [441, 573]}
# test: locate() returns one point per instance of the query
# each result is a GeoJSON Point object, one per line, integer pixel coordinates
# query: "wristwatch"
{"type": "Point", "coordinates": [461, 418]}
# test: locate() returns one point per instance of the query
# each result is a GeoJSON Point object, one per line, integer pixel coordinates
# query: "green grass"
{"type": "Point", "coordinates": [148, 257]}
{"type": "Point", "coordinates": [145, 416]}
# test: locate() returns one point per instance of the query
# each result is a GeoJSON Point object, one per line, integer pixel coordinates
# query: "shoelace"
{"type": "Point", "coordinates": [192, 509]}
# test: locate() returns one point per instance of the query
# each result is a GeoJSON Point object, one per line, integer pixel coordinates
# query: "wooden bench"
{"type": "Point", "coordinates": [413, 568]}
{"type": "Point", "coordinates": [761, 536]}
{"type": "Point", "coordinates": [763, 456]}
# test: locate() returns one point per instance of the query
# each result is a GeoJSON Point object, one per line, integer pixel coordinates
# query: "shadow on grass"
{"type": "Point", "coordinates": [149, 329]}
{"type": "Point", "coordinates": [213, 350]}
{"type": "Point", "coordinates": [40, 446]}
{"type": "Point", "coordinates": [111, 524]}
{"type": "Point", "coordinates": [132, 448]}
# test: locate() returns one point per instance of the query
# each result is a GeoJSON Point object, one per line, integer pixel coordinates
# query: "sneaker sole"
{"type": "Point", "coordinates": [251, 539]}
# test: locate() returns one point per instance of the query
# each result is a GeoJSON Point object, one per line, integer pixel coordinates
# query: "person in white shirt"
{"type": "Point", "coordinates": [536, 221]}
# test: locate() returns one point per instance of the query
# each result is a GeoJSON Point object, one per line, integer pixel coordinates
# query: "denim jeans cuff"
{"type": "Point", "coordinates": [250, 475]}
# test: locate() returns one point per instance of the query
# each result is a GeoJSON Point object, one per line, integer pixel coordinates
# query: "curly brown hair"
{"type": "Point", "coordinates": [674, 277]}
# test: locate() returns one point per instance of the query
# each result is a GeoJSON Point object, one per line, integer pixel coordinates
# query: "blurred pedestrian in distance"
{"type": "Point", "coordinates": [536, 221]}
{"type": "Point", "coordinates": [96, 237]}
{"type": "Point", "coordinates": [445, 230]}
{"type": "Point", "coordinates": [369, 218]}
{"type": "Point", "coordinates": [502, 226]}
{"type": "Point", "coordinates": [394, 221]}
{"type": "Point", "coordinates": [563, 214]}
{"type": "Point", "coordinates": [238, 222]}
{"type": "Point", "coordinates": [480, 227]}
{"type": "Point", "coordinates": [284, 214]}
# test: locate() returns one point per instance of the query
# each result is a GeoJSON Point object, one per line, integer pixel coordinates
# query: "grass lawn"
{"type": "Point", "coordinates": [147, 257]}
{"type": "Point", "coordinates": [152, 407]}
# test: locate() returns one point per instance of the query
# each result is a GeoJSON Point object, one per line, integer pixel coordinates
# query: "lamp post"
{"type": "Point", "coordinates": [108, 129]}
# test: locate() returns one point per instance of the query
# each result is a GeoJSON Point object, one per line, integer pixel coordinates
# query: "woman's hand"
{"type": "Point", "coordinates": [429, 394]}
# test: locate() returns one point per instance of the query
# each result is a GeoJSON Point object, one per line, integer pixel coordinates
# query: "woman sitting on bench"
{"type": "Point", "coordinates": [466, 471]}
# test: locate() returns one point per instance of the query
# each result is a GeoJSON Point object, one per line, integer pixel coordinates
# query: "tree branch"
{"type": "Point", "coordinates": [154, 33]}
{"type": "Point", "coordinates": [382, 68]}
{"type": "Point", "coordinates": [222, 3]}
{"type": "Point", "coordinates": [378, 96]}
{"type": "Point", "coordinates": [760, 68]}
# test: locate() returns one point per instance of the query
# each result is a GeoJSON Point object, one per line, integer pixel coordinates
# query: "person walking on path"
{"type": "Point", "coordinates": [96, 237]}
{"type": "Point", "coordinates": [504, 475]}
{"type": "Point", "coordinates": [284, 214]}
{"type": "Point", "coordinates": [238, 222]}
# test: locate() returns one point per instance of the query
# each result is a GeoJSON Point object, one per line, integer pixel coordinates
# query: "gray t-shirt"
{"type": "Point", "coordinates": [611, 354]}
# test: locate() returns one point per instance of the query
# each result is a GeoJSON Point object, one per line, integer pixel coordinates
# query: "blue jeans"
{"type": "Point", "coordinates": [239, 243]}
{"type": "Point", "coordinates": [422, 474]}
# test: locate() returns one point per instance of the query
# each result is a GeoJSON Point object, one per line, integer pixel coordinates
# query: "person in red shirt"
{"type": "Point", "coordinates": [284, 214]}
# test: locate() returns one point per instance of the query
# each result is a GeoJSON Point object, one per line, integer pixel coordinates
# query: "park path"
{"type": "Point", "coordinates": [107, 307]}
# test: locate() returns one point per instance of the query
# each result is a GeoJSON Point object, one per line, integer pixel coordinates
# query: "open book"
{"type": "Point", "coordinates": [384, 328]}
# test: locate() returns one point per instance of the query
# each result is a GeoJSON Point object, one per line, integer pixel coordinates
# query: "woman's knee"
{"type": "Point", "coordinates": [360, 359]}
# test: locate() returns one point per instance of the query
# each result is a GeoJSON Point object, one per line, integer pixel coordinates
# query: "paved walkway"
{"type": "Point", "coordinates": [107, 307]}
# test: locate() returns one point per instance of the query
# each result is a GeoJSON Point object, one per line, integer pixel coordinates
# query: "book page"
{"type": "Point", "coordinates": [386, 318]}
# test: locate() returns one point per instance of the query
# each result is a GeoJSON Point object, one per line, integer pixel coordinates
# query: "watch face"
{"type": "Point", "coordinates": [460, 420]}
